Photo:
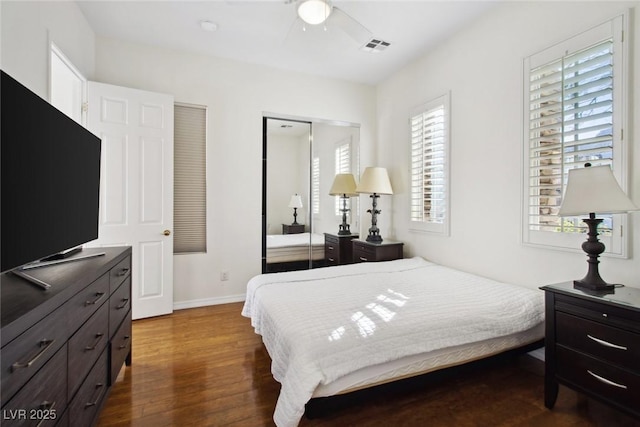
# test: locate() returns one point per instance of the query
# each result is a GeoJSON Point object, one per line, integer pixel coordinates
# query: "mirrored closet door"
{"type": "Point", "coordinates": [301, 158]}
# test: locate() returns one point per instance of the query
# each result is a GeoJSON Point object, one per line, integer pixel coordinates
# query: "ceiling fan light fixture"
{"type": "Point", "coordinates": [314, 12]}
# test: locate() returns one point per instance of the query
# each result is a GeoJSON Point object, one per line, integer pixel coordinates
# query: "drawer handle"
{"type": "Point", "coordinates": [606, 343]}
{"type": "Point", "coordinates": [363, 259]}
{"type": "Point", "coordinates": [46, 406]}
{"type": "Point", "coordinates": [95, 402]}
{"type": "Point", "coordinates": [99, 296]}
{"type": "Point", "coordinates": [44, 345]}
{"type": "Point", "coordinates": [606, 381]}
{"type": "Point", "coordinates": [95, 345]}
{"type": "Point", "coordinates": [330, 248]}
{"type": "Point", "coordinates": [331, 259]}
{"type": "Point", "coordinates": [122, 272]}
{"type": "Point", "coordinates": [124, 303]}
{"type": "Point", "coordinates": [125, 338]}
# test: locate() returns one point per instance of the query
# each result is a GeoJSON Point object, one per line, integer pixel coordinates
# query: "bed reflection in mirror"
{"type": "Point", "coordinates": [300, 160]}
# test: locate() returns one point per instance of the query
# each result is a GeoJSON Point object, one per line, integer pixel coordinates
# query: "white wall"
{"type": "Point", "coordinates": [237, 95]}
{"type": "Point", "coordinates": [27, 29]}
{"type": "Point", "coordinates": [483, 68]}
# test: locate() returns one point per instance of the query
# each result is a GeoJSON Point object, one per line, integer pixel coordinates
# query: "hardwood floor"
{"type": "Point", "coordinates": [206, 367]}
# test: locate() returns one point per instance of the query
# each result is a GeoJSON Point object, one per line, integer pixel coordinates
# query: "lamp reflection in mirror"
{"type": "Point", "coordinates": [295, 203]}
{"type": "Point", "coordinates": [374, 181]}
{"type": "Point", "coordinates": [344, 185]}
{"type": "Point", "coordinates": [591, 190]}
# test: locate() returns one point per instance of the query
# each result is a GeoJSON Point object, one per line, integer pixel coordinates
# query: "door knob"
{"type": "Point", "coordinates": [166, 232]}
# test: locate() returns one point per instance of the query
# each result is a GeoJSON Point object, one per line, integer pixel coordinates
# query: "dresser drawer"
{"type": "Point", "coordinates": [87, 301]}
{"type": "Point", "coordinates": [42, 400]}
{"type": "Point", "coordinates": [119, 273]}
{"type": "Point", "coordinates": [120, 349]}
{"type": "Point", "coordinates": [616, 386]}
{"type": "Point", "coordinates": [613, 315]}
{"type": "Point", "coordinates": [86, 345]}
{"type": "Point", "coordinates": [363, 253]}
{"type": "Point", "coordinates": [331, 253]}
{"type": "Point", "coordinates": [119, 305]}
{"type": "Point", "coordinates": [599, 340]}
{"type": "Point", "coordinates": [26, 354]}
{"type": "Point", "coordinates": [84, 407]}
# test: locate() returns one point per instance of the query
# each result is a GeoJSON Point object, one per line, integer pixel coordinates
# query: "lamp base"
{"type": "Point", "coordinates": [582, 284]}
{"type": "Point", "coordinates": [374, 238]}
{"type": "Point", "coordinates": [344, 230]}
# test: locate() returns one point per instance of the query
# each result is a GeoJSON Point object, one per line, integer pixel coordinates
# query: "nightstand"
{"type": "Point", "coordinates": [338, 249]}
{"type": "Point", "coordinates": [386, 250]}
{"type": "Point", "coordinates": [592, 345]}
{"type": "Point", "coordinates": [292, 228]}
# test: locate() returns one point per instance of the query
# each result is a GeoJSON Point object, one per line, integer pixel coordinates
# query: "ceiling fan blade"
{"type": "Point", "coordinates": [349, 25]}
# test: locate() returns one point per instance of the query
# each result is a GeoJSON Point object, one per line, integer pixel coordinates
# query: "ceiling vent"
{"type": "Point", "coordinates": [375, 46]}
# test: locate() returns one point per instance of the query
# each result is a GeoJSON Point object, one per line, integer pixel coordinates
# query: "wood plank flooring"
{"type": "Point", "coordinates": [206, 367]}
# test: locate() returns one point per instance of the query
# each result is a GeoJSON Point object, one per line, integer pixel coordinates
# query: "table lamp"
{"type": "Point", "coordinates": [344, 185]}
{"type": "Point", "coordinates": [374, 181]}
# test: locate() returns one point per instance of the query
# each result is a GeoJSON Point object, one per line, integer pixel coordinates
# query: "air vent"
{"type": "Point", "coordinates": [375, 46]}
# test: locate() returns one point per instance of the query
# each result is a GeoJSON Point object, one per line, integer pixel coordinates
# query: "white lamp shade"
{"type": "Point", "coordinates": [375, 180]}
{"type": "Point", "coordinates": [296, 201]}
{"type": "Point", "coordinates": [314, 12]}
{"type": "Point", "coordinates": [594, 189]}
{"type": "Point", "coordinates": [343, 183]}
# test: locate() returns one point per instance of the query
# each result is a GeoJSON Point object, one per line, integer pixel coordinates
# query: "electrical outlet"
{"type": "Point", "coordinates": [224, 275]}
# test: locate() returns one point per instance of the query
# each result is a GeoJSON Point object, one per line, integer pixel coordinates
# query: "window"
{"type": "Point", "coordinates": [574, 110]}
{"type": "Point", "coordinates": [189, 194]}
{"type": "Point", "coordinates": [342, 165]}
{"type": "Point", "coordinates": [315, 185]}
{"type": "Point", "coordinates": [429, 167]}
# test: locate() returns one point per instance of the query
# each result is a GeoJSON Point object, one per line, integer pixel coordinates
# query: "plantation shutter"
{"type": "Point", "coordinates": [428, 165]}
{"type": "Point", "coordinates": [315, 185]}
{"type": "Point", "coordinates": [342, 165]}
{"type": "Point", "coordinates": [190, 222]}
{"type": "Point", "coordinates": [570, 123]}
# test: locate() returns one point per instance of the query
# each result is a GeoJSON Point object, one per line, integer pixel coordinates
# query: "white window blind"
{"type": "Point", "coordinates": [190, 221]}
{"type": "Point", "coordinates": [429, 166]}
{"type": "Point", "coordinates": [573, 111]}
{"type": "Point", "coordinates": [342, 165]}
{"type": "Point", "coordinates": [315, 185]}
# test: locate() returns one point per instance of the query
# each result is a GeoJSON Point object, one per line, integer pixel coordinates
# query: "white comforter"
{"type": "Point", "coordinates": [293, 240]}
{"type": "Point", "coordinates": [321, 324]}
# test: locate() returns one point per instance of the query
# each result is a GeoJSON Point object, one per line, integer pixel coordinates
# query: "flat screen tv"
{"type": "Point", "coordinates": [49, 178]}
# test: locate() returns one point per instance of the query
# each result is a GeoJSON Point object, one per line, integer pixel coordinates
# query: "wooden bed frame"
{"type": "Point", "coordinates": [318, 407]}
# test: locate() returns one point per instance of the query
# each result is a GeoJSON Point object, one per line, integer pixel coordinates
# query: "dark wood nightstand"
{"type": "Point", "coordinates": [386, 250]}
{"type": "Point", "coordinates": [592, 345]}
{"type": "Point", "coordinates": [338, 249]}
{"type": "Point", "coordinates": [292, 228]}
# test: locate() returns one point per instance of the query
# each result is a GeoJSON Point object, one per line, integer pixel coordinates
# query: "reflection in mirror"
{"type": "Point", "coordinates": [301, 159]}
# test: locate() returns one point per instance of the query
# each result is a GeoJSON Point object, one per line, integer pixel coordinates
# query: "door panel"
{"type": "Point", "coordinates": [136, 128]}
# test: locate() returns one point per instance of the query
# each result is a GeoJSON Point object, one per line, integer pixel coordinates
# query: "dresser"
{"type": "Point", "coordinates": [292, 228]}
{"type": "Point", "coordinates": [592, 345]}
{"type": "Point", "coordinates": [338, 249]}
{"type": "Point", "coordinates": [63, 347]}
{"type": "Point", "coordinates": [386, 250]}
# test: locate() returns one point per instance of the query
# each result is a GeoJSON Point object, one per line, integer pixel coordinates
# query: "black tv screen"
{"type": "Point", "coordinates": [50, 178]}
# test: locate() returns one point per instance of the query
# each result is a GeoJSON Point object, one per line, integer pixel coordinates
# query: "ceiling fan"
{"type": "Point", "coordinates": [323, 12]}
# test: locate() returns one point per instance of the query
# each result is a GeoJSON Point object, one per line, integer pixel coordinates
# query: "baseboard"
{"type": "Point", "coordinates": [181, 305]}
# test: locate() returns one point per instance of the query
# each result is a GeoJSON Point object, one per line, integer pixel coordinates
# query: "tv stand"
{"type": "Point", "coordinates": [55, 259]}
{"type": "Point", "coordinates": [62, 254]}
{"type": "Point", "coordinates": [62, 350]}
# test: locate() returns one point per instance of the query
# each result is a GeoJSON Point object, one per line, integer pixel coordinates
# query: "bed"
{"type": "Point", "coordinates": [286, 251]}
{"type": "Point", "coordinates": [335, 330]}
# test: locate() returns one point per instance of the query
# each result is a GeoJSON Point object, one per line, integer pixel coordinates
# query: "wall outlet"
{"type": "Point", "coordinates": [224, 275]}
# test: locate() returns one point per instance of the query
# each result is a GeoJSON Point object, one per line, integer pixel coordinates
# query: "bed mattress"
{"type": "Point", "coordinates": [294, 247]}
{"type": "Point", "coordinates": [336, 329]}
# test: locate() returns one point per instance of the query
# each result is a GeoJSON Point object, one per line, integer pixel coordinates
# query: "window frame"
{"type": "Point", "coordinates": [617, 242]}
{"type": "Point", "coordinates": [440, 228]}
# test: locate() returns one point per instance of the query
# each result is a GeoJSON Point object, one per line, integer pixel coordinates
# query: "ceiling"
{"type": "Point", "coordinates": [268, 32]}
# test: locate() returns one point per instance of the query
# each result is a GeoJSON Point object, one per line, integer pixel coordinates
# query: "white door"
{"type": "Point", "coordinates": [136, 187]}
